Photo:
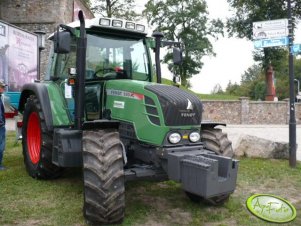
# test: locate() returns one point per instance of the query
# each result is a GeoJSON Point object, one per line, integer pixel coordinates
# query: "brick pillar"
{"type": "Point", "coordinates": [244, 114]}
{"type": "Point", "coordinates": [270, 84]}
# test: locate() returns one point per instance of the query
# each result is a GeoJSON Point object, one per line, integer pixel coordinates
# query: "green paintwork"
{"type": "Point", "coordinates": [125, 107]}
{"type": "Point", "coordinates": [60, 113]}
{"type": "Point", "coordinates": [271, 208]}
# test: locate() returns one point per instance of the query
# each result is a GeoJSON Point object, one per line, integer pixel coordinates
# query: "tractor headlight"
{"type": "Point", "coordinates": [194, 137]}
{"type": "Point", "coordinates": [174, 138]}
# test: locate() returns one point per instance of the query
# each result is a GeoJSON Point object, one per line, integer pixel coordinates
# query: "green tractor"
{"type": "Point", "coordinates": [101, 107]}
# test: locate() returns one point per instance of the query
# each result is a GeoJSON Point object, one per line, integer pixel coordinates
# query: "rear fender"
{"type": "Point", "coordinates": [209, 124]}
{"type": "Point", "coordinates": [40, 91]}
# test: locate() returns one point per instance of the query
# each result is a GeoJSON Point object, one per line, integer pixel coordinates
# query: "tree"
{"type": "Point", "coordinates": [233, 89]}
{"type": "Point", "coordinates": [252, 84]}
{"type": "Point", "coordinates": [123, 9]}
{"type": "Point", "coordinates": [217, 89]}
{"type": "Point", "coordinates": [186, 22]}
{"type": "Point", "coordinates": [251, 74]}
{"type": "Point", "coordinates": [87, 2]}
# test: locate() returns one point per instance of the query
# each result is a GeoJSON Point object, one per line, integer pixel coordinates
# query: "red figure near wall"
{"type": "Point", "coordinates": [270, 84]}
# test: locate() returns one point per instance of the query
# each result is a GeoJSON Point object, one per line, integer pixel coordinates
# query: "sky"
{"type": "Point", "coordinates": [233, 56]}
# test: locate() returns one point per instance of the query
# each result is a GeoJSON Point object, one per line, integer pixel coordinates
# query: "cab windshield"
{"type": "Point", "coordinates": [116, 58]}
{"type": "Point", "coordinates": [107, 58]}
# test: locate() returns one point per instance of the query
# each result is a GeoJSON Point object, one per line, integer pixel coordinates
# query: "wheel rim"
{"type": "Point", "coordinates": [34, 137]}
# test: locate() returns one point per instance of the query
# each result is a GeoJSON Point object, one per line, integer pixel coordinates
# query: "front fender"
{"type": "Point", "coordinates": [41, 92]}
{"type": "Point", "coordinates": [211, 124]}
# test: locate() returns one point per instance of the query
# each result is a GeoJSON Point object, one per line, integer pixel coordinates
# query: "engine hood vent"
{"type": "Point", "coordinates": [179, 107]}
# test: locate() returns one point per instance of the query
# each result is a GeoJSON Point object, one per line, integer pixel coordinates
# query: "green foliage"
{"type": "Point", "coordinates": [87, 2]}
{"type": "Point", "coordinates": [252, 84]}
{"type": "Point", "coordinates": [26, 201]}
{"type": "Point", "coordinates": [252, 73]}
{"type": "Point", "coordinates": [186, 22]}
{"type": "Point", "coordinates": [253, 81]}
{"type": "Point", "coordinates": [123, 9]}
{"type": "Point", "coordinates": [218, 96]}
{"type": "Point", "coordinates": [249, 11]}
{"type": "Point", "coordinates": [260, 90]}
{"type": "Point", "coordinates": [217, 89]}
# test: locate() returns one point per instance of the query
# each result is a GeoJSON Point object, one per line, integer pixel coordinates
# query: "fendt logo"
{"type": "Point", "coordinates": [189, 105]}
{"type": "Point", "coordinates": [187, 113]}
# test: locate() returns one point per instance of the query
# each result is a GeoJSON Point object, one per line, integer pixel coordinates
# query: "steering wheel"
{"type": "Point", "coordinates": [106, 72]}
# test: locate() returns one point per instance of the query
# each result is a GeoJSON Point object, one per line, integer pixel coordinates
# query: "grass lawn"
{"type": "Point", "coordinates": [25, 201]}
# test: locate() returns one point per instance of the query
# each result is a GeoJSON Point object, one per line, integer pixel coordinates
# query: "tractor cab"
{"type": "Point", "coordinates": [115, 49]}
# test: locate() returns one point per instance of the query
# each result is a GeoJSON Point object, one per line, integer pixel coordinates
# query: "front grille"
{"type": "Point", "coordinates": [179, 107]}
{"type": "Point", "coordinates": [152, 111]}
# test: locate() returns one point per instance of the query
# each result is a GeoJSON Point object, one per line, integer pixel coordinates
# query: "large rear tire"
{"type": "Point", "coordinates": [104, 199]}
{"type": "Point", "coordinates": [217, 141]}
{"type": "Point", "coordinates": [37, 143]}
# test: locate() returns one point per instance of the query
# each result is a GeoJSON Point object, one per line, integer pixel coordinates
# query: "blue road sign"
{"type": "Point", "coordinates": [296, 48]}
{"type": "Point", "coordinates": [263, 43]}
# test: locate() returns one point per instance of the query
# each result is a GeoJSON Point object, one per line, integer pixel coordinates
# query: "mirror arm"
{"type": "Point", "coordinates": [171, 43]}
{"type": "Point", "coordinates": [67, 28]}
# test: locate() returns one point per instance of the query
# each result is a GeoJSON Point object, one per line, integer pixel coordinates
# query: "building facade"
{"type": "Point", "coordinates": [42, 15]}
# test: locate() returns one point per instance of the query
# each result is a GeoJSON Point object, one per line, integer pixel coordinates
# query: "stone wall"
{"type": "Point", "coordinates": [244, 111]}
{"type": "Point", "coordinates": [42, 15]}
{"type": "Point", "coordinates": [222, 111]}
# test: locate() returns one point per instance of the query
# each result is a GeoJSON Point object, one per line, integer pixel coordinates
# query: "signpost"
{"type": "Point", "coordinates": [296, 49]}
{"type": "Point", "coordinates": [270, 29]}
{"type": "Point", "coordinates": [263, 43]}
{"type": "Point", "coordinates": [292, 119]}
{"type": "Point", "coordinates": [273, 33]}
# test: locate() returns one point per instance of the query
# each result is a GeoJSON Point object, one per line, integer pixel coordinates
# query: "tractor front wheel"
{"type": "Point", "coordinates": [37, 143]}
{"type": "Point", "coordinates": [217, 141]}
{"type": "Point", "coordinates": [104, 199]}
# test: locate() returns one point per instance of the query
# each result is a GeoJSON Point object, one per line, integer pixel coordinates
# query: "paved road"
{"type": "Point", "coordinates": [279, 133]}
{"type": "Point", "coordinates": [269, 132]}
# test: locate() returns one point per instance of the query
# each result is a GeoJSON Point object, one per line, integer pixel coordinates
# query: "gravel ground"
{"type": "Point", "coordinates": [278, 133]}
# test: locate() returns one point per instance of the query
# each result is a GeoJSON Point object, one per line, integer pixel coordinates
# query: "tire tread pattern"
{"type": "Point", "coordinates": [217, 141]}
{"type": "Point", "coordinates": [104, 198]}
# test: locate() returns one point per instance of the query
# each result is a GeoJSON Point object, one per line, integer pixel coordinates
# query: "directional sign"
{"type": "Point", "coordinates": [263, 43]}
{"type": "Point", "coordinates": [270, 24]}
{"type": "Point", "coordinates": [296, 48]}
{"type": "Point", "coordinates": [270, 29]}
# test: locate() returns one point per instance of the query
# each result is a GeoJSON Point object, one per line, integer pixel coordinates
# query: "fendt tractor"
{"type": "Point", "coordinates": [101, 107]}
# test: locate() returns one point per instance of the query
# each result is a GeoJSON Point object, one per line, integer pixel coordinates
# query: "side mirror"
{"type": "Point", "coordinates": [62, 42]}
{"type": "Point", "coordinates": [177, 56]}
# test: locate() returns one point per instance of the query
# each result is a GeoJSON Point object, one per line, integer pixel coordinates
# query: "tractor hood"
{"type": "Point", "coordinates": [177, 107]}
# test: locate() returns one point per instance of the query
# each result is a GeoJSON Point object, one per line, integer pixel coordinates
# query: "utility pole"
{"type": "Point", "coordinates": [292, 119]}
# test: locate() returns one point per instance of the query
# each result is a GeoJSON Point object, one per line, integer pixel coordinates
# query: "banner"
{"type": "Point", "coordinates": [22, 58]}
{"type": "Point", "coordinates": [3, 52]}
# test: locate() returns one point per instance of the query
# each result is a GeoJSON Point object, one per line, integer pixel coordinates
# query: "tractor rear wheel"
{"type": "Point", "coordinates": [217, 141]}
{"type": "Point", "coordinates": [104, 199]}
{"type": "Point", "coordinates": [37, 142]}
